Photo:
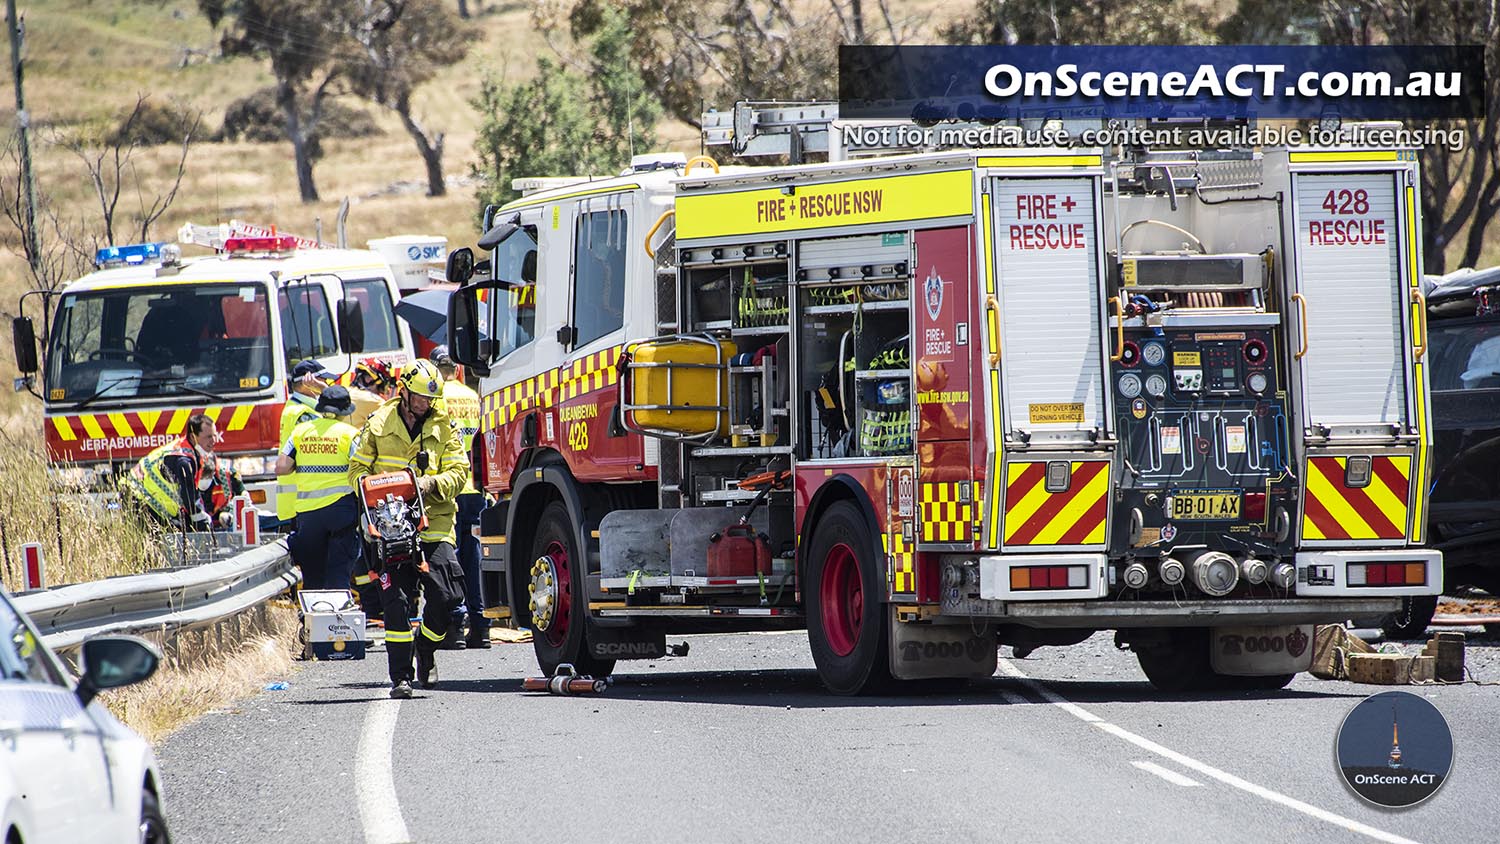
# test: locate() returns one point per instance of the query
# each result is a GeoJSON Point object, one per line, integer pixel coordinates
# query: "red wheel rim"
{"type": "Point", "coordinates": [842, 599]}
{"type": "Point", "coordinates": [557, 633]}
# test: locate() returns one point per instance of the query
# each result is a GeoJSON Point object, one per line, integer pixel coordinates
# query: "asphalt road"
{"type": "Point", "coordinates": [738, 742]}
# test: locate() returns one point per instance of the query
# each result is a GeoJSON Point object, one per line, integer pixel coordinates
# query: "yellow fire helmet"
{"type": "Point", "coordinates": [423, 379]}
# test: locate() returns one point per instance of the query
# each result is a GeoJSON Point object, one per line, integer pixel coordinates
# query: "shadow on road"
{"type": "Point", "coordinates": [801, 689]}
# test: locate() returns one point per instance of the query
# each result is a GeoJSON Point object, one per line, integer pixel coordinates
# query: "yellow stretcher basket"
{"type": "Point", "coordinates": [677, 387]}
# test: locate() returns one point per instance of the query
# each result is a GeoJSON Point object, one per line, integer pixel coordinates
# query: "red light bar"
{"type": "Point", "coordinates": [283, 243]}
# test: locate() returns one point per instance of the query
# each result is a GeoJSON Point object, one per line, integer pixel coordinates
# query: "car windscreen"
{"type": "Point", "coordinates": [144, 342]}
{"type": "Point", "coordinates": [1465, 355]}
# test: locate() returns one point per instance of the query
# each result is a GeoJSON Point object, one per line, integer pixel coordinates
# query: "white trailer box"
{"type": "Point", "coordinates": [333, 626]}
{"type": "Point", "coordinates": [411, 256]}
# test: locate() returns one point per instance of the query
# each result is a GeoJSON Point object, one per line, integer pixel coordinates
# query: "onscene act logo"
{"type": "Point", "coordinates": [1394, 749]}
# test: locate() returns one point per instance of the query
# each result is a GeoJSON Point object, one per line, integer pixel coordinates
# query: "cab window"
{"type": "Point", "coordinates": [374, 299]}
{"type": "Point", "coordinates": [514, 310]}
{"type": "Point", "coordinates": [307, 322]}
{"type": "Point", "coordinates": [599, 275]}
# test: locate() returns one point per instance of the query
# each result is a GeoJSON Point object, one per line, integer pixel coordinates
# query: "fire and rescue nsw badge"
{"type": "Point", "coordinates": [934, 293]}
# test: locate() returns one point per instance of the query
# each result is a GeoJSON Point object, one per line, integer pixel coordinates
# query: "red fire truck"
{"type": "Point", "coordinates": [923, 404]}
{"type": "Point", "coordinates": [138, 346]}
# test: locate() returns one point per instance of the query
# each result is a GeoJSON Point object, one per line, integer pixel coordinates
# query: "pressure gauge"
{"type": "Point", "coordinates": [1257, 382]}
{"type": "Point", "coordinates": [1130, 385]}
{"type": "Point", "coordinates": [1153, 354]}
{"type": "Point", "coordinates": [1156, 385]}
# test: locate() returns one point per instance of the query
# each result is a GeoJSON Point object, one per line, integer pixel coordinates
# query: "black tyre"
{"type": "Point", "coordinates": [846, 617]}
{"type": "Point", "coordinates": [1411, 621]}
{"type": "Point", "coordinates": [1179, 664]}
{"type": "Point", "coordinates": [1267, 683]}
{"type": "Point", "coordinates": [559, 613]}
{"type": "Point", "coordinates": [153, 825]}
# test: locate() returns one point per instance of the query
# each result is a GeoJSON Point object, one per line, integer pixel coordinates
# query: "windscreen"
{"type": "Point", "coordinates": [166, 341]}
{"type": "Point", "coordinates": [374, 299]}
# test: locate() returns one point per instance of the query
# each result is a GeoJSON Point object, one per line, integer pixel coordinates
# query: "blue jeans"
{"type": "Point", "coordinates": [470, 505]}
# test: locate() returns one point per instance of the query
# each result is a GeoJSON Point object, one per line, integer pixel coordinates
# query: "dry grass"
{"type": "Point", "coordinates": [95, 543]}
{"type": "Point", "coordinates": [209, 677]}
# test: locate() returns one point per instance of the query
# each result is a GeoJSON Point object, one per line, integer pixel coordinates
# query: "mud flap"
{"type": "Point", "coordinates": [931, 651]}
{"type": "Point", "coordinates": [626, 643]}
{"type": "Point", "coordinates": [1261, 651]}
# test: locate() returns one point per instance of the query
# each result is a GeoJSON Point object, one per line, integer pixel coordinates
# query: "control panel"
{"type": "Point", "coordinates": [1204, 430]}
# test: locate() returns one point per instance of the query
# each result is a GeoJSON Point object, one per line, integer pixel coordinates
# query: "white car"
{"type": "Point", "coordinates": [70, 772]}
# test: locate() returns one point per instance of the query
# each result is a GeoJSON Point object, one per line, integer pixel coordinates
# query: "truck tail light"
{"type": "Point", "coordinates": [1034, 578]}
{"type": "Point", "coordinates": [1255, 507]}
{"type": "Point", "coordinates": [1387, 574]}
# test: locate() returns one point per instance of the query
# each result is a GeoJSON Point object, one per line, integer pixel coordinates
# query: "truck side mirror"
{"type": "Point", "coordinates": [460, 266]}
{"type": "Point", "coordinates": [351, 327]}
{"type": "Point", "coordinates": [23, 337]}
{"type": "Point", "coordinates": [464, 343]}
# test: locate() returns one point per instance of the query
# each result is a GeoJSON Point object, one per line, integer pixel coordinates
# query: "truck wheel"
{"type": "Point", "coordinates": [1181, 663]}
{"type": "Point", "coordinates": [846, 622]}
{"type": "Point", "coordinates": [1411, 621]}
{"type": "Point", "coordinates": [559, 609]}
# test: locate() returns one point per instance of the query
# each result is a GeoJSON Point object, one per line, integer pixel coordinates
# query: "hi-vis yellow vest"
{"type": "Point", "coordinates": [324, 447]}
{"type": "Point", "coordinates": [294, 413]}
{"type": "Point", "coordinates": [462, 405]}
{"type": "Point", "coordinates": [149, 484]}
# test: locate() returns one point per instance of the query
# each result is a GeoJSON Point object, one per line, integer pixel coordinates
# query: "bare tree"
{"type": "Point", "coordinates": [402, 44]}
{"type": "Point", "coordinates": [112, 170]}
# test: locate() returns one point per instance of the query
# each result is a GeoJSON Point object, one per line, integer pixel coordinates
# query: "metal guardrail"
{"type": "Point", "coordinates": [177, 599]}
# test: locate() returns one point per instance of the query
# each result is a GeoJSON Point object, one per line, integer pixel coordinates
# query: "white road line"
{"type": "Point", "coordinates": [1014, 699]}
{"type": "Point", "coordinates": [1167, 774]}
{"type": "Point", "coordinates": [1201, 767]}
{"type": "Point", "coordinates": [379, 811]}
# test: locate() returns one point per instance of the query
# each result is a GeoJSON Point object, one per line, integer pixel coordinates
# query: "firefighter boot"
{"type": "Point", "coordinates": [427, 676]}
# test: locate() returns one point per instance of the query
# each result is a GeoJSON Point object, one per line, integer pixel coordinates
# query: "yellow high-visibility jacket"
{"type": "Point", "coordinates": [385, 446]}
{"type": "Point", "coordinates": [462, 405]}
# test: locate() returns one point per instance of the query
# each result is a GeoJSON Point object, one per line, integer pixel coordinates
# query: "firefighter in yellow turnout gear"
{"type": "Point", "coordinates": [397, 436]}
{"type": "Point", "coordinates": [316, 455]}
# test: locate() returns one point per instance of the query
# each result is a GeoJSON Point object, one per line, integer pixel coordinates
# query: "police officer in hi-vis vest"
{"type": "Point", "coordinates": [306, 382]}
{"type": "Point", "coordinates": [316, 456]}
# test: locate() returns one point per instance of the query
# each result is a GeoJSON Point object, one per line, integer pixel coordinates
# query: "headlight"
{"type": "Point", "coordinates": [253, 466]}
